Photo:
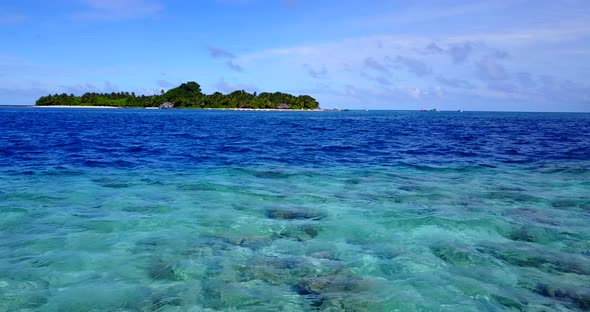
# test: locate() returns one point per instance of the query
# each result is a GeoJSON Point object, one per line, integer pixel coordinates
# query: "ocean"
{"type": "Point", "coordinates": [195, 210]}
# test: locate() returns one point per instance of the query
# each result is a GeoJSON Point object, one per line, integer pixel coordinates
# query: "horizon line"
{"type": "Point", "coordinates": [362, 109]}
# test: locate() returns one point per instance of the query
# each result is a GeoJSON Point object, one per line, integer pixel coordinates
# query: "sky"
{"type": "Point", "coordinates": [501, 55]}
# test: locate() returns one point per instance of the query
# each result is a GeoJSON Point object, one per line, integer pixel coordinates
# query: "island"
{"type": "Point", "coordinates": [187, 95]}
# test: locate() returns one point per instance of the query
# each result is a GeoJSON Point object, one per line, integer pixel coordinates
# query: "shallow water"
{"type": "Point", "coordinates": [132, 210]}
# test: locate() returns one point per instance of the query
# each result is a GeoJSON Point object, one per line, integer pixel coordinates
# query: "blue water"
{"type": "Point", "coordinates": [185, 210]}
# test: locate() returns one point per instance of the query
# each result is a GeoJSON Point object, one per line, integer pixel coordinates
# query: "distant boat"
{"type": "Point", "coordinates": [434, 110]}
{"type": "Point", "coordinates": [460, 111]}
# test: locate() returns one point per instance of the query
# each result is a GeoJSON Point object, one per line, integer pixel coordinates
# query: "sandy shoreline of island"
{"type": "Point", "coordinates": [265, 109]}
{"type": "Point", "coordinates": [76, 106]}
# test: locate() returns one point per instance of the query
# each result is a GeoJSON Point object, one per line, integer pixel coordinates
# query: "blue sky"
{"type": "Point", "coordinates": [472, 55]}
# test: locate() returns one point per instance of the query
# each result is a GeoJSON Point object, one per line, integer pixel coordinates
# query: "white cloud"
{"type": "Point", "coordinates": [461, 46]}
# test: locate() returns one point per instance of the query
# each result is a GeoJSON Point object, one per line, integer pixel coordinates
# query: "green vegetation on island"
{"type": "Point", "coordinates": [187, 95]}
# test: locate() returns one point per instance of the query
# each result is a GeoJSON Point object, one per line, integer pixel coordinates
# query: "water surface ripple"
{"type": "Point", "coordinates": [137, 210]}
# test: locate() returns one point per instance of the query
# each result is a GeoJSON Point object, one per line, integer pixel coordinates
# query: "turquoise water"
{"type": "Point", "coordinates": [221, 233]}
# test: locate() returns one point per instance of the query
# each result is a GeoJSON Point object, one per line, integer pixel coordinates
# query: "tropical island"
{"type": "Point", "coordinates": [187, 95]}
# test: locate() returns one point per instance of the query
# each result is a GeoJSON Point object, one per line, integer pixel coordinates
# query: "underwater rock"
{"type": "Point", "coordinates": [522, 259]}
{"type": "Point", "coordinates": [337, 291]}
{"type": "Point", "coordinates": [580, 297]}
{"type": "Point", "coordinates": [531, 216]}
{"type": "Point", "coordinates": [345, 303]}
{"type": "Point", "coordinates": [564, 203]}
{"type": "Point", "coordinates": [523, 234]}
{"type": "Point", "coordinates": [276, 270]}
{"type": "Point", "coordinates": [205, 245]}
{"type": "Point", "coordinates": [510, 303]}
{"type": "Point", "coordinates": [178, 297]}
{"type": "Point", "coordinates": [294, 213]}
{"type": "Point", "coordinates": [161, 301]}
{"type": "Point", "coordinates": [299, 233]}
{"type": "Point", "coordinates": [384, 251]}
{"type": "Point", "coordinates": [150, 244]}
{"type": "Point", "coordinates": [328, 284]}
{"type": "Point", "coordinates": [325, 255]}
{"type": "Point", "coordinates": [221, 295]}
{"type": "Point", "coordinates": [23, 295]}
{"type": "Point", "coordinates": [212, 296]}
{"type": "Point", "coordinates": [291, 270]}
{"type": "Point", "coordinates": [262, 273]}
{"type": "Point", "coordinates": [310, 230]}
{"type": "Point", "coordinates": [533, 234]}
{"type": "Point", "coordinates": [160, 270]}
{"type": "Point", "coordinates": [456, 256]}
{"type": "Point", "coordinates": [167, 270]}
{"type": "Point", "coordinates": [546, 261]}
{"type": "Point", "coordinates": [248, 241]}
{"type": "Point", "coordinates": [568, 204]}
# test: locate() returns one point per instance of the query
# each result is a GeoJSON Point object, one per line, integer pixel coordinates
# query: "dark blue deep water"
{"type": "Point", "coordinates": [146, 138]}
{"type": "Point", "coordinates": [188, 210]}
